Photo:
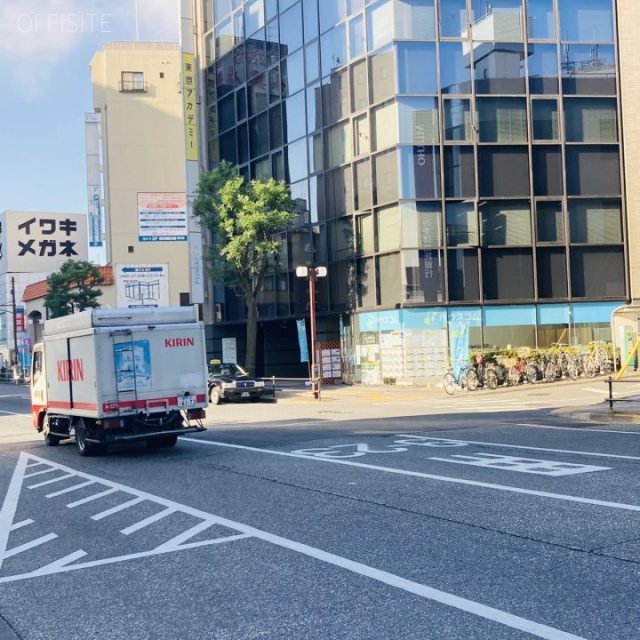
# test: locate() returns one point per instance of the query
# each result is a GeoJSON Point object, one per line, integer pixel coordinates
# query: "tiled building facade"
{"type": "Point", "coordinates": [456, 161]}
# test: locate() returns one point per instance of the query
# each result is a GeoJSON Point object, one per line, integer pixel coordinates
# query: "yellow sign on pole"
{"type": "Point", "coordinates": [190, 106]}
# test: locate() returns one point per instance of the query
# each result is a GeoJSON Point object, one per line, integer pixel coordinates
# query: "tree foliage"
{"type": "Point", "coordinates": [245, 218]}
{"type": "Point", "coordinates": [73, 288]}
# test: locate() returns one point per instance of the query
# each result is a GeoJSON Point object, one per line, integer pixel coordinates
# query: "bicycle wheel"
{"type": "Point", "coordinates": [491, 379]}
{"type": "Point", "coordinates": [449, 383]}
{"type": "Point", "coordinates": [572, 370]}
{"type": "Point", "coordinates": [531, 373]}
{"type": "Point", "coordinates": [514, 376]}
{"type": "Point", "coordinates": [550, 372]}
{"type": "Point", "coordinates": [590, 367]}
{"type": "Point", "coordinates": [472, 380]}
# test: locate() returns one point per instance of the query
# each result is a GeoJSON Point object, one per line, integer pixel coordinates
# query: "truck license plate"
{"type": "Point", "coordinates": [244, 394]}
{"type": "Point", "coordinates": [186, 401]}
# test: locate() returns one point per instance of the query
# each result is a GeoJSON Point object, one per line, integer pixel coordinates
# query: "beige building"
{"type": "Point", "coordinates": [137, 95]}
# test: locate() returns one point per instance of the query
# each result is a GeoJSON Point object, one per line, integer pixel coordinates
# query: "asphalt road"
{"type": "Point", "coordinates": [465, 522]}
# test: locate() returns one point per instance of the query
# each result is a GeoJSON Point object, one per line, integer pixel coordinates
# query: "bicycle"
{"type": "Point", "coordinates": [467, 378]}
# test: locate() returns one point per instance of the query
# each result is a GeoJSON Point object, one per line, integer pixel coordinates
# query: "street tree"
{"type": "Point", "coordinates": [73, 288]}
{"type": "Point", "coordinates": [245, 218]}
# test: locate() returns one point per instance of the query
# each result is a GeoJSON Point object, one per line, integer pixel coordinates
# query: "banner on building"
{"type": "Point", "coordinates": [142, 285]}
{"type": "Point", "coordinates": [459, 341]}
{"type": "Point", "coordinates": [302, 340]}
{"type": "Point", "coordinates": [162, 217]}
{"type": "Point", "coordinates": [94, 190]}
{"type": "Point", "coordinates": [190, 106]}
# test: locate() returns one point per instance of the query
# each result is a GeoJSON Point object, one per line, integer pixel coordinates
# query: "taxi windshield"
{"type": "Point", "coordinates": [226, 369]}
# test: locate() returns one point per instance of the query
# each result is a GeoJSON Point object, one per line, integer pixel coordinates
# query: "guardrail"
{"type": "Point", "coordinates": [609, 381]}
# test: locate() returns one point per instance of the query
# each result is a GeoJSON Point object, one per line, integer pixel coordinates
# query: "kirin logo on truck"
{"type": "Point", "coordinates": [70, 370]}
{"type": "Point", "coordinates": [179, 342]}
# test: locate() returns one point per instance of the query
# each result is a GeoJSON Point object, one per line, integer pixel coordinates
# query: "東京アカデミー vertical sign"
{"type": "Point", "coordinates": [189, 104]}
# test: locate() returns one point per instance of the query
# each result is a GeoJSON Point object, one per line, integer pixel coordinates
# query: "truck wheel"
{"type": "Point", "coordinates": [51, 441]}
{"type": "Point", "coordinates": [86, 448]}
{"type": "Point", "coordinates": [214, 395]}
{"type": "Point", "coordinates": [162, 442]}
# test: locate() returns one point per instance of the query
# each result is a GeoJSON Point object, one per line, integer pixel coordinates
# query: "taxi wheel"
{"type": "Point", "coordinates": [214, 395]}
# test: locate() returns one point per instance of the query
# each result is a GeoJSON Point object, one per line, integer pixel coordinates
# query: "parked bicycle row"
{"type": "Point", "coordinates": [494, 369]}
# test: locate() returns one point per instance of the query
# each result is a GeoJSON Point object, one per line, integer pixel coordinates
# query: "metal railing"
{"type": "Point", "coordinates": [610, 399]}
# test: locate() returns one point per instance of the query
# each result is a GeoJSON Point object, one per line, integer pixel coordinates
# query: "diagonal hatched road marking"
{"type": "Point", "coordinates": [180, 542]}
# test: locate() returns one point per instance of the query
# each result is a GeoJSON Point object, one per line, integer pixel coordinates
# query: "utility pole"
{"type": "Point", "coordinates": [15, 320]}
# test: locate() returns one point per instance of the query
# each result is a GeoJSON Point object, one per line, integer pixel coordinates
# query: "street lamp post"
{"type": "Point", "coordinates": [312, 273]}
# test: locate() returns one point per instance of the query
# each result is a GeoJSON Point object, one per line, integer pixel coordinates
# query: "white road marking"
{"type": "Point", "coordinates": [69, 489]}
{"type": "Point", "coordinates": [30, 545]}
{"type": "Point", "coordinates": [58, 479]}
{"type": "Point", "coordinates": [521, 465]}
{"type": "Point", "coordinates": [428, 476]}
{"type": "Point", "coordinates": [548, 426]}
{"type": "Point", "coordinates": [19, 525]}
{"type": "Point", "coordinates": [244, 531]}
{"type": "Point", "coordinates": [38, 473]}
{"type": "Point", "coordinates": [10, 504]}
{"type": "Point", "coordinates": [117, 508]}
{"type": "Point", "coordinates": [147, 521]}
{"type": "Point", "coordinates": [91, 498]}
{"type": "Point", "coordinates": [507, 445]}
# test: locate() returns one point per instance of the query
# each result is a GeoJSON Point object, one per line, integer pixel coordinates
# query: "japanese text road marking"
{"type": "Point", "coordinates": [427, 476]}
{"type": "Point", "coordinates": [178, 543]}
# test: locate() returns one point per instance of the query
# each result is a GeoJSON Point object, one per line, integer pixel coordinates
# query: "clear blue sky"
{"type": "Point", "coordinates": [45, 50]}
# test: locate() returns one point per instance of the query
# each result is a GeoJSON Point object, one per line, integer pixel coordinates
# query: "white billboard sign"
{"type": "Point", "coordinates": [94, 191]}
{"type": "Point", "coordinates": [142, 285]}
{"type": "Point", "coordinates": [162, 217]}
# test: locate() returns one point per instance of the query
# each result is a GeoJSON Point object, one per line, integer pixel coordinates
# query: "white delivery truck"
{"type": "Point", "coordinates": [117, 375]}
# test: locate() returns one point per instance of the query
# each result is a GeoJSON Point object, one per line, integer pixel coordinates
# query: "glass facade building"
{"type": "Point", "coordinates": [454, 161]}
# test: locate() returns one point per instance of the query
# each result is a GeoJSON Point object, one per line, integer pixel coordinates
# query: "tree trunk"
{"type": "Point", "coordinates": [252, 334]}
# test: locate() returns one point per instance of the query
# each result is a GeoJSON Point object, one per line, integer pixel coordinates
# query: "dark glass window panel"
{"type": "Point", "coordinates": [386, 177]}
{"type": "Point", "coordinates": [582, 21]}
{"type": "Point", "coordinates": [457, 120]}
{"type": "Point", "coordinates": [507, 274]}
{"type": "Point", "coordinates": [505, 222]}
{"type": "Point", "coordinates": [259, 135]}
{"type": "Point", "coordinates": [335, 97]}
{"type": "Point", "coordinates": [238, 26]}
{"type": "Point", "coordinates": [331, 12]}
{"type": "Point", "coordinates": [588, 70]}
{"type": "Point", "coordinates": [541, 19]}
{"type": "Point", "coordinates": [240, 64]}
{"type": "Point", "coordinates": [243, 143]}
{"type": "Point", "coordinates": [551, 264]}
{"type": "Point", "coordinates": [595, 221]}
{"type": "Point", "coordinates": [499, 67]}
{"type": "Point", "coordinates": [312, 62]}
{"type": "Point", "coordinates": [388, 276]}
{"type": "Point", "coordinates": [253, 15]}
{"type": "Point", "coordinates": [597, 272]}
{"type": "Point", "coordinates": [256, 53]}
{"type": "Point", "coordinates": [295, 117]}
{"type": "Point", "coordinates": [453, 18]}
{"type": "Point", "coordinates": [502, 119]}
{"type": "Point", "coordinates": [339, 192]}
{"type": "Point", "coordinates": [228, 147]}
{"type": "Point", "coordinates": [363, 190]}
{"type": "Point", "coordinates": [290, 31]}
{"type": "Point", "coordinates": [455, 73]}
{"type": "Point", "coordinates": [341, 285]}
{"type": "Point", "coordinates": [545, 120]}
{"type": "Point", "coordinates": [503, 171]}
{"type": "Point", "coordinates": [277, 166]}
{"type": "Point", "coordinates": [257, 94]}
{"type": "Point", "coordinates": [225, 76]}
{"type": "Point", "coordinates": [226, 112]}
{"type": "Point", "coordinates": [411, 57]}
{"type": "Point", "coordinates": [463, 275]}
{"type": "Point", "coordinates": [275, 126]}
{"type": "Point", "coordinates": [314, 108]}
{"type": "Point", "coordinates": [366, 283]}
{"type": "Point", "coordinates": [261, 169]}
{"type": "Point", "coordinates": [241, 104]}
{"type": "Point", "coordinates": [420, 171]}
{"type": "Point", "coordinates": [359, 92]}
{"type": "Point", "coordinates": [547, 171]}
{"type": "Point", "coordinates": [310, 17]}
{"type": "Point", "coordinates": [590, 120]}
{"type": "Point", "coordinates": [424, 276]}
{"type": "Point", "coordinates": [459, 172]}
{"type": "Point", "coordinates": [421, 224]}
{"type": "Point", "coordinates": [543, 68]}
{"type": "Point", "coordinates": [382, 75]}
{"type": "Point", "coordinates": [296, 162]}
{"type": "Point", "coordinates": [333, 50]}
{"type": "Point", "coordinates": [462, 223]}
{"type": "Point", "coordinates": [593, 170]}
{"type": "Point", "coordinates": [275, 84]}
{"type": "Point", "coordinates": [549, 221]}
{"type": "Point", "coordinates": [292, 74]}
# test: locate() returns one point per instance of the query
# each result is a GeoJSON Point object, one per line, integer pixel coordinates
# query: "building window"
{"type": "Point", "coordinates": [132, 81]}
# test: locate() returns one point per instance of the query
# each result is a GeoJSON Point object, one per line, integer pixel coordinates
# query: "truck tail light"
{"type": "Point", "coordinates": [196, 414]}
